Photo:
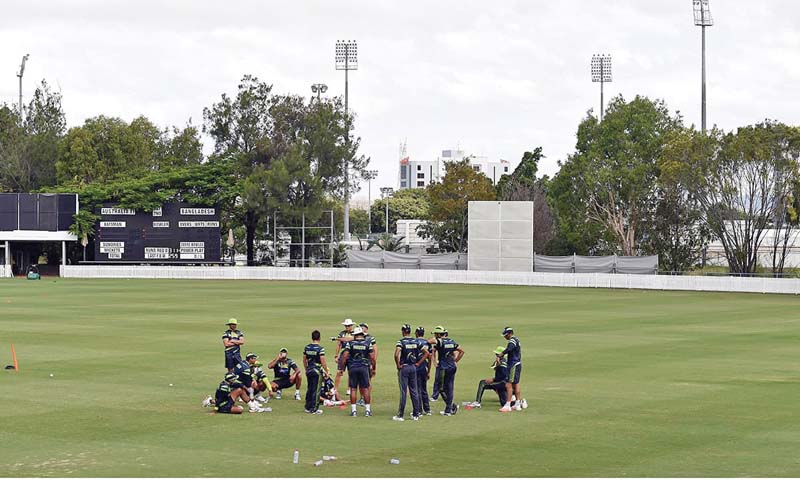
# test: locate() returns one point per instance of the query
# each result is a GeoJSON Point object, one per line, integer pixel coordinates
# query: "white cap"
{"type": "Point", "coordinates": [358, 331]}
{"type": "Point", "coordinates": [348, 321]}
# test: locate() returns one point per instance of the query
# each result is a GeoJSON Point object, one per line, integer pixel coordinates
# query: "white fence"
{"type": "Point", "coordinates": [539, 279]}
{"type": "Point", "coordinates": [4, 273]}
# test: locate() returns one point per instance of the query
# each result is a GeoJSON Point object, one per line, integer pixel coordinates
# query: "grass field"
{"type": "Point", "coordinates": [620, 383]}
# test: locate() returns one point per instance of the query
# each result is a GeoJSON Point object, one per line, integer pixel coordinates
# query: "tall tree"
{"type": "Point", "coordinates": [409, 204]}
{"type": "Point", "coordinates": [449, 209]}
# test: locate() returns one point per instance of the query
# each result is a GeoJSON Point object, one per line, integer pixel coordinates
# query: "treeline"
{"type": "Point", "coordinates": [640, 182]}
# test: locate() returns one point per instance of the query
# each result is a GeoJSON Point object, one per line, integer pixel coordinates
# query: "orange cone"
{"type": "Point", "coordinates": [14, 356]}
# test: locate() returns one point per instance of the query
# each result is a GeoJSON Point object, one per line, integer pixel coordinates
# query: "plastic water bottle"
{"type": "Point", "coordinates": [318, 463]}
{"type": "Point", "coordinates": [296, 456]}
{"type": "Point", "coordinates": [328, 458]}
{"type": "Point", "coordinates": [394, 461]}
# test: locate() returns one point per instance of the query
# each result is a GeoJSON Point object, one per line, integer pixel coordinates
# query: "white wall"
{"type": "Point", "coordinates": [540, 279]}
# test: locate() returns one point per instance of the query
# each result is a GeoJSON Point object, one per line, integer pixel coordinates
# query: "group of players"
{"type": "Point", "coordinates": [357, 353]}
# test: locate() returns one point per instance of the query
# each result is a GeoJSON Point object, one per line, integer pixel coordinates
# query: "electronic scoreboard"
{"type": "Point", "coordinates": [174, 233]}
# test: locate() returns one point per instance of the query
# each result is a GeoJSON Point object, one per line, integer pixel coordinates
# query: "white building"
{"type": "Point", "coordinates": [420, 173]}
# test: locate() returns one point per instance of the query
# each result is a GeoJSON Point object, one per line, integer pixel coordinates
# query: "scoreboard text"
{"type": "Point", "coordinates": [176, 232]}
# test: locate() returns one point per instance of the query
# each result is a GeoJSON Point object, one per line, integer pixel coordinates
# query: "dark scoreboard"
{"type": "Point", "coordinates": [174, 233]}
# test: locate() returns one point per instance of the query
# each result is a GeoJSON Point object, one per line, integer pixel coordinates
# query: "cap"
{"type": "Point", "coordinates": [406, 328]}
{"type": "Point", "coordinates": [499, 350]}
{"type": "Point", "coordinates": [232, 321]}
{"type": "Point", "coordinates": [284, 350]}
{"type": "Point", "coordinates": [420, 330]}
{"type": "Point", "coordinates": [507, 330]}
{"type": "Point", "coordinates": [358, 331]}
{"type": "Point", "coordinates": [363, 325]}
{"type": "Point", "coordinates": [439, 329]}
{"type": "Point", "coordinates": [230, 377]}
{"type": "Point", "coordinates": [347, 322]}
{"type": "Point", "coordinates": [250, 355]}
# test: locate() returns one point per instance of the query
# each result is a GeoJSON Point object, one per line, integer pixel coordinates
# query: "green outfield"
{"type": "Point", "coordinates": [620, 383]}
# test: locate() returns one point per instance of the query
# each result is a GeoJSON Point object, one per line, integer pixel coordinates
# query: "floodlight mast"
{"type": "Point", "coordinates": [601, 72]}
{"type": "Point", "coordinates": [702, 19]}
{"type": "Point", "coordinates": [369, 175]}
{"type": "Point", "coordinates": [319, 89]}
{"type": "Point", "coordinates": [346, 59]}
{"type": "Point", "coordinates": [20, 74]}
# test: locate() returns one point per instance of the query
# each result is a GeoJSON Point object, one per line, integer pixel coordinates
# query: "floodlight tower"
{"type": "Point", "coordinates": [702, 19]}
{"type": "Point", "coordinates": [346, 59]}
{"type": "Point", "coordinates": [387, 193]}
{"type": "Point", "coordinates": [601, 72]}
{"type": "Point", "coordinates": [369, 175]}
{"type": "Point", "coordinates": [20, 74]}
{"type": "Point", "coordinates": [319, 89]}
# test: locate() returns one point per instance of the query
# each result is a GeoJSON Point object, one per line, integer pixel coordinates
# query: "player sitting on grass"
{"type": "Point", "coordinates": [262, 384]}
{"type": "Point", "coordinates": [328, 394]}
{"type": "Point", "coordinates": [287, 373]}
{"type": "Point", "coordinates": [228, 392]}
{"type": "Point", "coordinates": [244, 370]}
{"type": "Point", "coordinates": [360, 360]}
{"type": "Point", "coordinates": [496, 383]}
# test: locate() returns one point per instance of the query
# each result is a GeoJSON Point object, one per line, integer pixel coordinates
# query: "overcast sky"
{"type": "Point", "coordinates": [495, 78]}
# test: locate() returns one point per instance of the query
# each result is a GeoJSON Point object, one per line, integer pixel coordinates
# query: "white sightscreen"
{"type": "Point", "coordinates": [501, 236]}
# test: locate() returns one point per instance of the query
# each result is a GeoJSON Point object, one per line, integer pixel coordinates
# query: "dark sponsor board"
{"type": "Point", "coordinates": [48, 212]}
{"type": "Point", "coordinates": [176, 232]}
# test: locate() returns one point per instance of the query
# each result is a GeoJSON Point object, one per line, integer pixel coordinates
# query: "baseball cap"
{"type": "Point", "coordinates": [284, 350]}
{"type": "Point", "coordinates": [232, 321]}
{"type": "Point", "coordinates": [507, 330]}
{"type": "Point", "coordinates": [250, 355]}
{"type": "Point", "coordinates": [439, 329]}
{"type": "Point", "coordinates": [358, 331]}
{"type": "Point", "coordinates": [363, 325]}
{"type": "Point", "coordinates": [420, 330]}
{"type": "Point", "coordinates": [348, 321]}
{"type": "Point", "coordinates": [230, 377]}
{"type": "Point", "coordinates": [406, 328]}
{"type": "Point", "coordinates": [499, 350]}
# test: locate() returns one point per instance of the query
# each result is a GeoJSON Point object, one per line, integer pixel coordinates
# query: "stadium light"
{"type": "Point", "coordinates": [346, 59]}
{"type": "Point", "coordinates": [319, 89]}
{"type": "Point", "coordinates": [702, 19]}
{"type": "Point", "coordinates": [369, 175]}
{"type": "Point", "coordinates": [387, 193]}
{"type": "Point", "coordinates": [601, 72]}
{"type": "Point", "coordinates": [20, 74]}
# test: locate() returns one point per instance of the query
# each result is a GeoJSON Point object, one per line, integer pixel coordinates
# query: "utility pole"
{"type": "Point", "coordinates": [20, 74]}
{"type": "Point", "coordinates": [387, 193]}
{"type": "Point", "coordinates": [601, 72]}
{"type": "Point", "coordinates": [346, 59]}
{"type": "Point", "coordinates": [702, 19]}
{"type": "Point", "coordinates": [369, 175]}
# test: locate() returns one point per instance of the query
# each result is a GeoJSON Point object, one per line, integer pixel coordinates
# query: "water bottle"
{"type": "Point", "coordinates": [328, 458]}
{"type": "Point", "coordinates": [394, 461]}
{"type": "Point", "coordinates": [318, 463]}
{"type": "Point", "coordinates": [296, 456]}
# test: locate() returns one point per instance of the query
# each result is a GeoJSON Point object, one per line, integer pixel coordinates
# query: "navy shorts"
{"type": "Point", "coordinates": [225, 408]}
{"type": "Point", "coordinates": [514, 373]}
{"type": "Point", "coordinates": [282, 383]}
{"type": "Point", "coordinates": [358, 377]}
{"type": "Point", "coordinates": [232, 360]}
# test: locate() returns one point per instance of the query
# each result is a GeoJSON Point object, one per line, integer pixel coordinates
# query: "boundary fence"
{"type": "Point", "coordinates": [539, 279]}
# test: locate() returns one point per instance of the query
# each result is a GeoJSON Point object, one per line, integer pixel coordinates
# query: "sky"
{"type": "Point", "coordinates": [492, 78]}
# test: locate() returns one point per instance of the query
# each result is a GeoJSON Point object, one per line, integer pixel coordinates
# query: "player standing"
{"type": "Point", "coordinates": [232, 339]}
{"type": "Point", "coordinates": [513, 353]}
{"type": "Point", "coordinates": [316, 369]}
{"type": "Point", "coordinates": [360, 360]}
{"type": "Point", "coordinates": [449, 354]}
{"type": "Point", "coordinates": [347, 333]}
{"type": "Point", "coordinates": [423, 371]}
{"type": "Point", "coordinates": [407, 357]}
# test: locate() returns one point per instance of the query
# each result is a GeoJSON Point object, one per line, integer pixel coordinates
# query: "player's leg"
{"type": "Point", "coordinates": [502, 392]}
{"type": "Point", "coordinates": [412, 388]}
{"type": "Point", "coordinates": [312, 377]}
{"type": "Point", "coordinates": [481, 387]}
{"type": "Point", "coordinates": [436, 385]}
{"type": "Point", "coordinates": [422, 388]}
{"type": "Point", "coordinates": [403, 384]}
{"type": "Point", "coordinates": [298, 382]}
{"type": "Point", "coordinates": [449, 386]}
{"type": "Point", "coordinates": [351, 382]}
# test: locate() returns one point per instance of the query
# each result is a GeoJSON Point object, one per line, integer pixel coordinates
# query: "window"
{"type": "Point", "coordinates": [421, 183]}
{"type": "Point", "coordinates": [402, 184]}
{"type": "Point", "coordinates": [403, 171]}
{"type": "Point", "coordinates": [505, 169]}
{"type": "Point", "coordinates": [419, 167]}
{"type": "Point", "coordinates": [420, 175]}
{"type": "Point", "coordinates": [477, 168]}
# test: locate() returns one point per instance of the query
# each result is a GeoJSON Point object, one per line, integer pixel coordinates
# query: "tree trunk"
{"type": "Point", "coordinates": [250, 228]}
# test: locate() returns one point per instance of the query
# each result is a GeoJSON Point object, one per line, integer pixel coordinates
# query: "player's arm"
{"type": "Point", "coordinates": [324, 364]}
{"type": "Point", "coordinates": [227, 342]}
{"type": "Point", "coordinates": [239, 342]}
{"type": "Point", "coordinates": [305, 362]}
{"type": "Point", "coordinates": [274, 362]}
{"type": "Point", "coordinates": [424, 358]}
{"type": "Point", "coordinates": [295, 371]}
{"type": "Point", "coordinates": [459, 354]}
{"type": "Point", "coordinates": [397, 355]}
{"type": "Point", "coordinates": [373, 362]}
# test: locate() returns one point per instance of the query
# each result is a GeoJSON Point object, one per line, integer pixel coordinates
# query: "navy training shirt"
{"type": "Point", "coordinates": [359, 352]}
{"type": "Point", "coordinates": [314, 353]}
{"type": "Point", "coordinates": [513, 351]}
{"type": "Point", "coordinates": [409, 351]}
{"type": "Point", "coordinates": [446, 350]}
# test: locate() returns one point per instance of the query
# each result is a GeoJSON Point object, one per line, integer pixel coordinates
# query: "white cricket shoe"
{"type": "Point", "coordinates": [261, 399]}
{"type": "Point", "coordinates": [518, 407]}
{"type": "Point", "coordinates": [398, 419]}
{"type": "Point", "coordinates": [297, 395]}
{"type": "Point", "coordinates": [278, 395]}
{"type": "Point", "coordinates": [207, 401]}
{"type": "Point", "coordinates": [505, 409]}
{"type": "Point", "coordinates": [524, 403]}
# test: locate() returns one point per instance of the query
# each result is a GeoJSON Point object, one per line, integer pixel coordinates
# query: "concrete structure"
{"type": "Point", "coordinates": [501, 236]}
{"type": "Point", "coordinates": [420, 173]}
{"type": "Point", "coordinates": [574, 280]}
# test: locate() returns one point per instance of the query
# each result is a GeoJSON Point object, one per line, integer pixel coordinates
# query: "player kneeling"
{"type": "Point", "coordinates": [496, 383]}
{"type": "Point", "coordinates": [228, 392]}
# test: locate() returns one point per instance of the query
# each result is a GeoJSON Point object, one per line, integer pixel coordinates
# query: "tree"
{"type": "Point", "coordinates": [409, 204]}
{"type": "Point", "coordinates": [449, 205]}
{"type": "Point", "coordinates": [744, 183]}
{"type": "Point", "coordinates": [614, 170]}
